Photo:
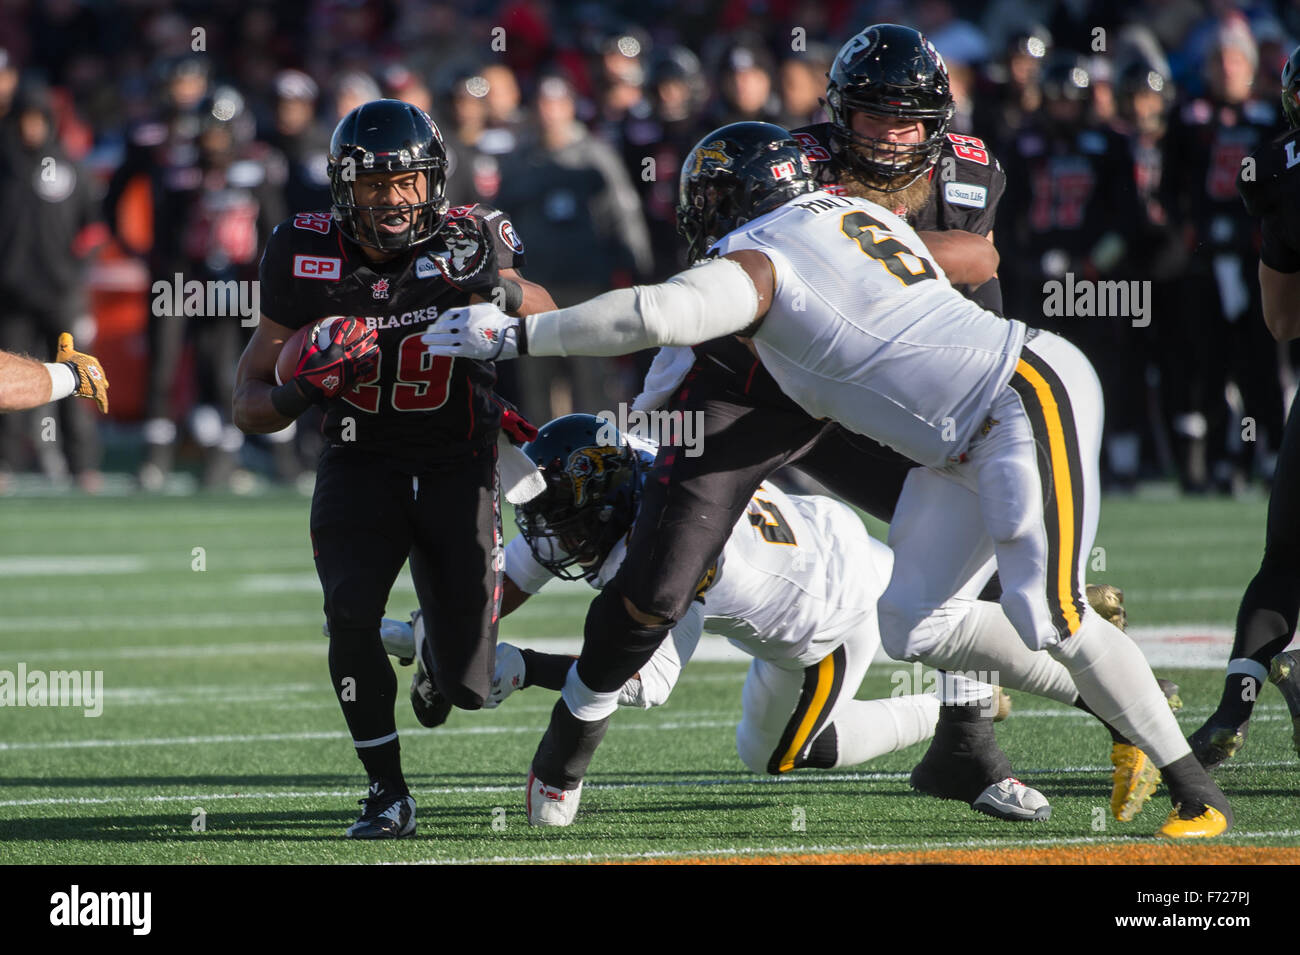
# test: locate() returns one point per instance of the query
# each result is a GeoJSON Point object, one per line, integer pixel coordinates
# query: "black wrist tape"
{"type": "Point", "coordinates": [288, 400]}
{"type": "Point", "coordinates": [514, 295]}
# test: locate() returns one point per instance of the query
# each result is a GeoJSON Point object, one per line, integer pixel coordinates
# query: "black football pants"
{"type": "Point", "coordinates": [366, 518]}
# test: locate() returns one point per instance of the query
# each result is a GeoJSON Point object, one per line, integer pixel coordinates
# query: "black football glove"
{"type": "Point", "coordinates": [328, 372]}
{"type": "Point", "coordinates": [470, 262]}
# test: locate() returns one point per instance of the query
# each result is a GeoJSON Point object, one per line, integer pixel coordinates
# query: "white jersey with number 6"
{"type": "Point", "coordinates": [865, 328]}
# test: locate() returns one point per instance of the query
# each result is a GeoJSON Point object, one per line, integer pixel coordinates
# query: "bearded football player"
{"type": "Point", "coordinates": [890, 349]}
{"type": "Point", "coordinates": [887, 141]}
{"type": "Point", "coordinates": [410, 465]}
{"type": "Point", "coordinates": [892, 108]}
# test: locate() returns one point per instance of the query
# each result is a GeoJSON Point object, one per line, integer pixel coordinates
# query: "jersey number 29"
{"type": "Point", "coordinates": [423, 380]}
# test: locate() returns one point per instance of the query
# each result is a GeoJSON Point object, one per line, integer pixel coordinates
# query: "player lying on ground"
{"type": "Point", "coordinates": [796, 588]}
{"type": "Point", "coordinates": [26, 383]}
{"type": "Point", "coordinates": [1266, 620]}
{"type": "Point", "coordinates": [782, 591]}
{"type": "Point", "coordinates": [857, 324]}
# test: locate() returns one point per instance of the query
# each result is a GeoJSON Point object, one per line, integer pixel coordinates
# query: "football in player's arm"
{"type": "Point", "coordinates": [410, 468]}
{"type": "Point", "coordinates": [26, 383]}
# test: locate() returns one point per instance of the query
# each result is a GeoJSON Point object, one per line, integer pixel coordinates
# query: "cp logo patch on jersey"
{"type": "Point", "coordinates": [317, 267]}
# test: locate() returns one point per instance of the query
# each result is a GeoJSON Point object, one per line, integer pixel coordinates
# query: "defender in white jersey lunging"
{"type": "Point", "coordinates": [795, 588]}
{"type": "Point", "coordinates": [855, 323]}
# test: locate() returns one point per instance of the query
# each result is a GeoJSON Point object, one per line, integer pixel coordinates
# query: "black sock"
{"type": "Point", "coordinates": [567, 748]}
{"type": "Point", "coordinates": [547, 670]}
{"type": "Point", "coordinates": [1191, 787]}
{"type": "Point", "coordinates": [384, 767]}
{"type": "Point", "coordinates": [367, 689]}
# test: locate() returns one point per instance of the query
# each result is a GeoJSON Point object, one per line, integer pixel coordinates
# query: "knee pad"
{"type": "Point", "coordinates": [614, 646]}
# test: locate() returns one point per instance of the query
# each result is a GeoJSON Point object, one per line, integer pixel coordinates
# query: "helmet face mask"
{"type": "Point", "coordinates": [592, 489]}
{"type": "Point", "coordinates": [733, 175]}
{"type": "Point", "coordinates": [889, 72]}
{"type": "Point", "coordinates": [394, 138]}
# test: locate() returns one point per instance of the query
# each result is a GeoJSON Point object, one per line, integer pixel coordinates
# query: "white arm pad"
{"type": "Point", "coordinates": [711, 300]}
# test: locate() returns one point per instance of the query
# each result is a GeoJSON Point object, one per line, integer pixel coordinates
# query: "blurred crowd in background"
{"type": "Point", "coordinates": [145, 139]}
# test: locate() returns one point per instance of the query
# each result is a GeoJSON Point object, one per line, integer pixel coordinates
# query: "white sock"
{"type": "Point", "coordinates": [1116, 682]}
{"type": "Point", "coordinates": [865, 729]}
{"type": "Point", "coordinates": [986, 643]}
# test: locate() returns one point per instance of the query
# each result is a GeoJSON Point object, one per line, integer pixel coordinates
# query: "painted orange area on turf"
{"type": "Point", "coordinates": [1156, 853]}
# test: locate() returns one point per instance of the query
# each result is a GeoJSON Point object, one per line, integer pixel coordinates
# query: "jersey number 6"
{"type": "Point", "coordinates": [874, 239]}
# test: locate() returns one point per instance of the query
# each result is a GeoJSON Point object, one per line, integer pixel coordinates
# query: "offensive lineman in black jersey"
{"type": "Point", "coordinates": [410, 467]}
{"type": "Point", "coordinates": [890, 102]}
{"type": "Point", "coordinates": [1269, 183]}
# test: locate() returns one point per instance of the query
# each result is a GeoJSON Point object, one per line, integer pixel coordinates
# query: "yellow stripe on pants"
{"type": "Point", "coordinates": [825, 680]}
{"type": "Point", "coordinates": [1064, 493]}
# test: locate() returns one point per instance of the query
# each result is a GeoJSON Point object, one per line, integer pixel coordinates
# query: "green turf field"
{"type": "Point", "coordinates": [203, 615]}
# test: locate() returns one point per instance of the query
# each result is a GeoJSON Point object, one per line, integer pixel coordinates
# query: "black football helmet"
{"type": "Point", "coordinates": [893, 71]}
{"type": "Point", "coordinates": [593, 482]}
{"type": "Point", "coordinates": [387, 135]}
{"type": "Point", "coordinates": [1291, 89]}
{"type": "Point", "coordinates": [733, 175]}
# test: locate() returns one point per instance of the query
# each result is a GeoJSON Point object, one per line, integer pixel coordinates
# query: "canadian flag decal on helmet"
{"type": "Point", "coordinates": [783, 170]}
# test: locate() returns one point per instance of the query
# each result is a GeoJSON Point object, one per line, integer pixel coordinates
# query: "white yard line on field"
{"type": "Point", "coordinates": [422, 791]}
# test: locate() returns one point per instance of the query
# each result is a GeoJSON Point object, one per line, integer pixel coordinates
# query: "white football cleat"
{"type": "Point", "coordinates": [1012, 800]}
{"type": "Point", "coordinates": [507, 677]}
{"type": "Point", "coordinates": [548, 806]}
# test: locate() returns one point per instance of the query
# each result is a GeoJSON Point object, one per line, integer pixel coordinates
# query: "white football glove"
{"type": "Point", "coordinates": [480, 331]}
{"type": "Point", "coordinates": [507, 677]}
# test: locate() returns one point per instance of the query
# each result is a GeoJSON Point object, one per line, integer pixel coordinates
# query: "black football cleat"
{"type": "Point", "coordinates": [431, 707]}
{"type": "Point", "coordinates": [1284, 673]}
{"type": "Point", "coordinates": [384, 816]}
{"type": "Point", "coordinates": [1217, 741]}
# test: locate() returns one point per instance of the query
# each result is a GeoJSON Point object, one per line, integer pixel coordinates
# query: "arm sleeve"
{"type": "Point", "coordinates": [711, 300]}
{"type": "Point", "coordinates": [522, 567]}
{"type": "Point", "coordinates": [659, 675]}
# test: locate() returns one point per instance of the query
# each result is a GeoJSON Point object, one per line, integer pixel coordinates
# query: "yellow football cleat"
{"type": "Point", "coordinates": [1004, 705]}
{"type": "Point", "coordinates": [1134, 782]}
{"type": "Point", "coordinates": [1207, 825]}
{"type": "Point", "coordinates": [1109, 602]}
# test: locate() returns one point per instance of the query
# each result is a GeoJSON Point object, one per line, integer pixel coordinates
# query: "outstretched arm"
{"type": "Point", "coordinates": [720, 297]}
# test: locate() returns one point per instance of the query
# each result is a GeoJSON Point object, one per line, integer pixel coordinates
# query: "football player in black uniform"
{"type": "Point", "coordinates": [890, 102]}
{"type": "Point", "coordinates": [1266, 621]}
{"type": "Point", "coordinates": [1221, 336]}
{"type": "Point", "coordinates": [410, 467]}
